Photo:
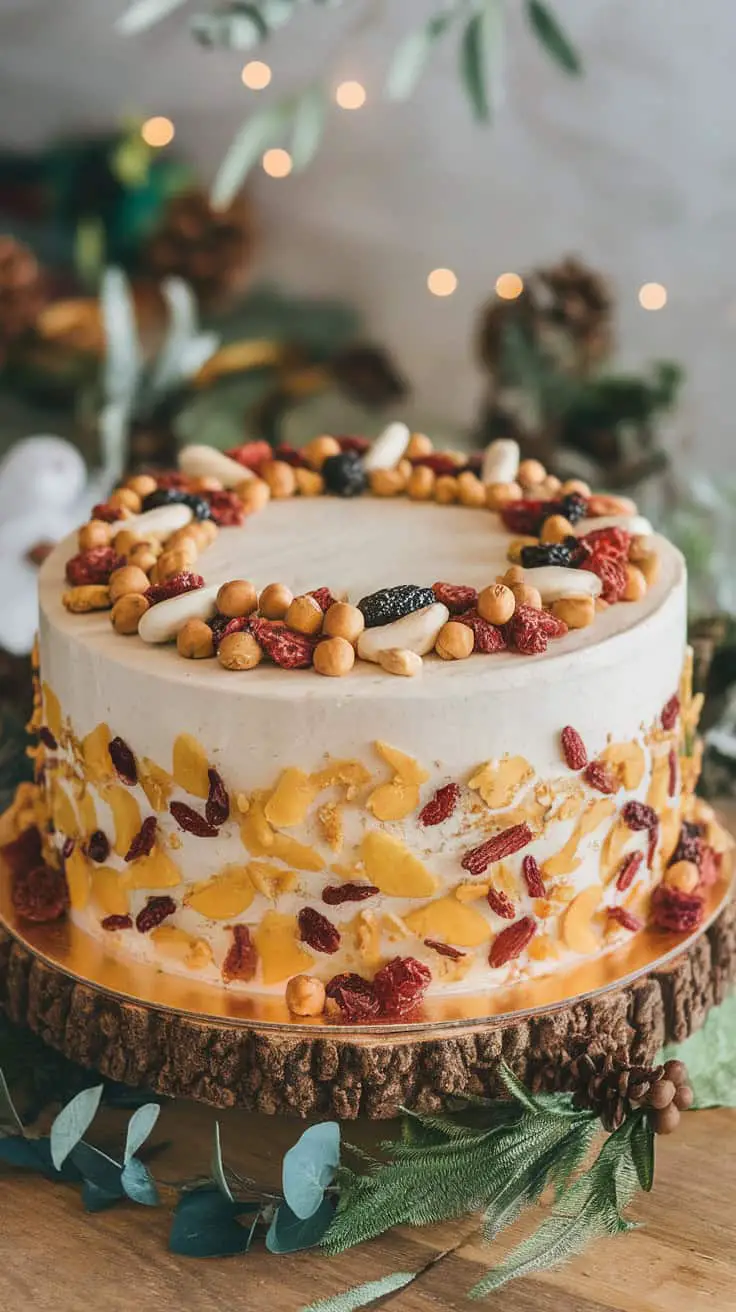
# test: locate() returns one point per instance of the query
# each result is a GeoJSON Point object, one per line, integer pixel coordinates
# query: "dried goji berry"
{"type": "Point", "coordinates": [104, 511]}
{"type": "Point", "coordinates": [217, 808]}
{"type": "Point", "coordinates": [241, 960]}
{"type": "Point", "coordinates": [94, 566]}
{"type": "Point", "coordinates": [548, 623]}
{"type": "Point", "coordinates": [221, 627]}
{"type": "Point", "coordinates": [154, 912]}
{"type": "Point", "coordinates": [117, 922]}
{"type": "Point", "coordinates": [525, 517]}
{"type": "Point", "coordinates": [438, 462]}
{"type": "Point", "coordinates": [401, 984]}
{"type": "Point", "coordinates": [528, 630]}
{"type": "Point", "coordinates": [455, 596]}
{"type": "Point", "coordinates": [40, 894]}
{"type": "Point", "coordinates": [323, 598]}
{"type": "Point", "coordinates": [637, 815]}
{"type": "Point", "coordinates": [673, 910]}
{"type": "Point", "coordinates": [317, 931]}
{"type": "Point", "coordinates": [441, 806]}
{"type": "Point", "coordinates": [612, 573]}
{"type": "Point", "coordinates": [24, 852]}
{"type": "Point", "coordinates": [501, 904]}
{"type": "Point", "coordinates": [290, 455]}
{"type": "Point", "coordinates": [98, 847]}
{"type": "Point", "coordinates": [47, 738]}
{"type": "Point", "coordinates": [174, 587]}
{"type": "Point", "coordinates": [607, 541]}
{"type": "Point", "coordinates": [250, 454]}
{"type": "Point", "coordinates": [625, 919]}
{"type": "Point", "coordinates": [444, 949]}
{"type": "Point", "coordinates": [598, 775]}
{"type": "Point", "coordinates": [533, 877]}
{"type": "Point", "coordinates": [355, 997]}
{"type": "Point", "coordinates": [501, 845]}
{"type": "Point", "coordinates": [335, 894]}
{"type": "Point", "coordinates": [173, 478]}
{"type": "Point", "coordinates": [123, 760]}
{"type": "Point", "coordinates": [629, 869]}
{"type": "Point", "coordinates": [689, 845]}
{"type": "Point", "coordinates": [709, 866]}
{"type": "Point", "coordinates": [672, 777]}
{"type": "Point", "coordinates": [191, 821]}
{"type": "Point", "coordinates": [226, 508]}
{"type": "Point", "coordinates": [352, 442]}
{"type": "Point", "coordinates": [573, 748]}
{"type": "Point", "coordinates": [652, 841]}
{"type": "Point", "coordinates": [142, 844]}
{"type": "Point", "coordinates": [670, 712]}
{"type": "Point", "coordinates": [510, 943]}
{"type": "Point", "coordinates": [290, 650]}
{"type": "Point", "coordinates": [488, 638]}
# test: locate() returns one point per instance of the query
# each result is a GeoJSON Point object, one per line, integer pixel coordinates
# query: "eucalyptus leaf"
{"type": "Point", "coordinates": [259, 132]}
{"type": "Point", "coordinates": [289, 1233]}
{"type": "Point", "coordinates": [205, 1225]}
{"type": "Point", "coordinates": [710, 1056]}
{"type": "Point", "coordinates": [140, 1126]}
{"type": "Point", "coordinates": [412, 54]}
{"type": "Point", "coordinates": [9, 1118]}
{"type": "Point", "coordinates": [308, 126]}
{"type": "Point", "coordinates": [123, 361]}
{"type": "Point", "coordinates": [97, 1199]}
{"type": "Point", "coordinates": [232, 27]}
{"type": "Point", "coordinates": [72, 1122]}
{"type": "Point", "coordinates": [218, 1169]}
{"type": "Point", "coordinates": [363, 1295]}
{"type": "Point", "coordinates": [310, 1166]}
{"type": "Point", "coordinates": [15, 1150]}
{"type": "Point", "coordinates": [139, 1184]}
{"type": "Point", "coordinates": [169, 370]}
{"type": "Point", "coordinates": [549, 32]}
{"type": "Point", "coordinates": [479, 55]}
{"type": "Point", "coordinates": [142, 14]}
{"type": "Point", "coordinates": [96, 1166]}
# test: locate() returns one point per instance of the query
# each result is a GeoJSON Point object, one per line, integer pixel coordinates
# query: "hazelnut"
{"type": "Point", "coordinates": [334, 657]}
{"type": "Point", "coordinates": [551, 485]}
{"type": "Point", "coordinates": [454, 641]}
{"type": "Point", "coordinates": [401, 661]}
{"type": "Point", "coordinates": [172, 563]}
{"type": "Point", "coordinates": [280, 478]}
{"type": "Point", "coordinates": [254, 494]}
{"type": "Point", "coordinates": [650, 566]}
{"type": "Point", "coordinates": [237, 598]}
{"type": "Point", "coordinates": [142, 484]}
{"type": "Point", "coordinates": [94, 534]}
{"type": "Point", "coordinates": [404, 468]}
{"type": "Point", "coordinates": [127, 579]}
{"type": "Point", "coordinates": [575, 612]}
{"type": "Point", "coordinates": [143, 558]}
{"type": "Point", "coordinates": [239, 651]}
{"type": "Point", "coordinates": [555, 529]}
{"type": "Point", "coordinates": [445, 490]}
{"type": "Point", "coordinates": [420, 484]}
{"type": "Point", "coordinates": [274, 601]}
{"type": "Point", "coordinates": [603, 504]}
{"type": "Point", "coordinates": [470, 490]}
{"type": "Point", "coordinates": [514, 574]}
{"type": "Point", "coordinates": [640, 547]}
{"type": "Point", "coordinates": [125, 499]}
{"type": "Point", "coordinates": [514, 549]}
{"type": "Point", "coordinates": [575, 485]}
{"type": "Point", "coordinates": [304, 615]}
{"type": "Point", "coordinates": [195, 640]}
{"type": "Point", "coordinates": [636, 584]}
{"type": "Point", "coordinates": [189, 538]}
{"type": "Point", "coordinates": [386, 482]}
{"type": "Point", "coordinates": [419, 445]}
{"type": "Point", "coordinates": [496, 603]}
{"type": "Point", "coordinates": [344, 621]}
{"type": "Point", "coordinates": [683, 875]}
{"type": "Point", "coordinates": [531, 473]}
{"type": "Point", "coordinates": [499, 495]}
{"type": "Point", "coordinates": [126, 541]}
{"type": "Point", "coordinates": [309, 483]}
{"type": "Point", "coordinates": [527, 595]}
{"type": "Point", "coordinates": [127, 611]}
{"type": "Point", "coordinates": [319, 449]}
{"type": "Point", "coordinates": [305, 995]}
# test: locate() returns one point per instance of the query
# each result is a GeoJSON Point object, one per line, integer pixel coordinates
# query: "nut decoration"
{"type": "Point", "coordinates": [500, 462]}
{"type": "Point", "coordinates": [158, 523]}
{"type": "Point", "coordinates": [417, 632]}
{"type": "Point", "coordinates": [163, 621]}
{"type": "Point", "coordinates": [388, 448]}
{"type": "Point", "coordinates": [206, 462]}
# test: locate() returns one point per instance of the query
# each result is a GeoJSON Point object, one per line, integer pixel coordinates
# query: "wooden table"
{"type": "Point", "coordinates": [55, 1258]}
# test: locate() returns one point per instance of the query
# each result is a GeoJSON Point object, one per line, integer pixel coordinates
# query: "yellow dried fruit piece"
{"type": "Point", "coordinates": [280, 951]}
{"type": "Point", "coordinates": [505, 880]}
{"type": "Point", "coordinates": [331, 824]}
{"type": "Point", "coordinates": [78, 879]}
{"type": "Point", "coordinates": [352, 774]}
{"type": "Point", "coordinates": [173, 942]}
{"type": "Point", "coordinates": [450, 921]}
{"type": "Point", "coordinates": [270, 880]}
{"type": "Point", "coordinates": [52, 711]}
{"type": "Point", "coordinates": [498, 782]}
{"type": "Point", "coordinates": [367, 932]}
{"type": "Point", "coordinates": [543, 948]}
{"type": "Point", "coordinates": [343, 871]}
{"type": "Point", "coordinates": [296, 854]}
{"type": "Point", "coordinates": [255, 831]}
{"type": "Point", "coordinates": [62, 811]}
{"type": "Point", "coordinates": [567, 860]}
{"type": "Point", "coordinates": [659, 784]}
{"type": "Point", "coordinates": [408, 770]}
{"type": "Point", "coordinates": [110, 890]}
{"type": "Point", "coordinates": [190, 765]}
{"type": "Point", "coordinates": [627, 762]}
{"type": "Point", "coordinates": [157, 870]}
{"type": "Point", "coordinates": [472, 892]}
{"type": "Point", "coordinates": [393, 868]}
{"type": "Point", "coordinates": [577, 931]}
{"type": "Point", "coordinates": [87, 813]}
{"type": "Point", "coordinates": [451, 971]}
{"type": "Point", "coordinates": [291, 799]}
{"type": "Point", "coordinates": [394, 801]}
{"type": "Point", "coordinates": [156, 783]}
{"type": "Point", "coordinates": [96, 754]}
{"type": "Point", "coordinates": [394, 927]}
{"type": "Point", "coordinates": [126, 815]}
{"type": "Point", "coordinates": [223, 896]}
{"type": "Point", "coordinates": [614, 847]}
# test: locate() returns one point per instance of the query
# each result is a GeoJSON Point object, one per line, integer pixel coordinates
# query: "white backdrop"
{"type": "Point", "coordinates": [634, 168]}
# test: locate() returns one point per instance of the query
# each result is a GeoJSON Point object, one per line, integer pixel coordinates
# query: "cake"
{"type": "Point", "coordinates": [371, 725]}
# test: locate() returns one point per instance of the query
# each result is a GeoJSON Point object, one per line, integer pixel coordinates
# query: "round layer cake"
{"type": "Point", "coordinates": [495, 816]}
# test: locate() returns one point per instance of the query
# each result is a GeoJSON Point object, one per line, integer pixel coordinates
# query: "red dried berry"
{"type": "Point", "coordinates": [290, 650]}
{"type": "Point", "coordinates": [629, 870]}
{"type": "Point", "coordinates": [455, 596]}
{"type": "Point", "coordinates": [637, 815]}
{"type": "Point", "coordinates": [47, 738]}
{"type": "Point", "coordinates": [317, 931]}
{"type": "Point", "coordinates": [607, 541]}
{"type": "Point", "coordinates": [349, 442]}
{"type": "Point", "coordinates": [672, 777]}
{"type": "Point", "coordinates": [438, 462]}
{"type": "Point", "coordinates": [689, 845]}
{"type": "Point", "coordinates": [174, 480]}
{"type": "Point", "coordinates": [652, 841]}
{"type": "Point", "coordinates": [142, 844]}
{"type": "Point", "coordinates": [250, 454]}
{"type": "Point", "coordinates": [599, 776]}
{"type": "Point", "coordinates": [488, 638]}
{"type": "Point", "coordinates": [528, 630]}
{"type": "Point", "coordinates": [673, 910]}
{"type": "Point", "coordinates": [226, 508]}
{"type": "Point", "coordinates": [323, 598]}
{"type": "Point", "coordinates": [510, 943]}
{"type": "Point", "coordinates": [241, 960]}
{"type": "Point", "coordinates": [40, 894]}
{"type": "Point", "coordinates": [335, 894]}
{"type": "Point", "coordinates": [670, 712]}
{"type": "Point", "coordinates": [444, 949]}
{"type": "Point", "coordinates": [24, 852]}
{"type": "Point", "coordinates": [355, 997]}
{"type": "Point", "coordinates": [123, 760]}
{"type": "Point", "coordinates": [573, 748]}
{"type": "Point", "coordinates": [221, 627]}
{"type": "Point", "coordinates": [525, 517]}
{"type": "Point", "coordinates": [709, 866]}
{"type": "Point", "coordinates": [94, 566]}
{"type": "Point", "coordinates": [98, 847]}
{"type": "Point", "coordinates": [117, 922]}
{"type": "Point", "coordinates": [501, 904]}
{"type": "Point", "coordinates": [625, 919]}
{"type": "Point", "coordinates": [401, 984]}
{"type": "Point", "coordinates": [107, 513]}
{"type": "Point", "coordinates": [548, 623]}
{"type": "Point", "coordinates": [191, 821]}
{"type": "Point", "coordinates": [174, 587]}
{"type": "Point", "coordinates": [217, 808]}
{"type": "Point", "coordinates": [501, 845]}
{"type": "Point", "coordinates": [154, 912]}
{"type": "Point", "coordinates": [533, 877]}
{"type": "Point", "coordinates": [441, 806]}
{"type": "Point", "coordinates": [290, 455]}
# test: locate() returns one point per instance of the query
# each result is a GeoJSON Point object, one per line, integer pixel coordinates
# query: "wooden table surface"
{"type": "Point", "coordinates": [56, 1258]}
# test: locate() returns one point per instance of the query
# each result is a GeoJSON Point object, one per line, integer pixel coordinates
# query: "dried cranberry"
{"type": "Point", "coordinates": [401, 984]}
{"type": "Point", "coordinates": [94, 566]}
{"type": "Point", "coordinates": [142, 844]}
{"type": "Point", "coordinates": [317, 931]}
{"type": "Point", "coordinates": [40, 894]}
{"type": "Point", "coordinates": [123, 760]}
{"type": "Point", "coordinates": [488, 638]}
{"type": "Point", "coordinates": [611, 572]}
{"type": "Point", "coordinates": [117, 922]}
{"type": "Point", "coordinates": [107, 513]}
{"type": "Point", "coordinates": [222, 627]}
{"type": "Point", "coordinates": [444, 949]}
{"type": "Point", "coordinates": [241, 960]}
{"type": "Point", "coordinates": [323, 598]}
{"type": "Point", "coordinates": [173, 478]}
{"type": "Point", "coordinates": [455, 596]}
{"type": "Point", "coordinates": [510, 943]}
{"type": "Point", "coordinates": [573, 748]}
{"type": "Point", "coordinates": [24, 852]}
{"type": "Point", "coordinates": [501, 904]}
{"type": "Point", "coordinates": [608, 541]}
{"type": "Point", "coordinates": [673, 910]}
{"type": "Point", "coordinates": [174, 587]}
{"type": "Point", "coordinates": [625, 919]}
{"type": "Point", "coordinates": [629, 869]}
{"type": "Point", "coordinates": [526, 631]}
{"type": "Point", "coordinates": [335, 894]}
{"type": "Point", "coordinates": [533, 877]}
{"type": "Point", "coordinates": [599, 776]}
{"type": "Point", "coordinates": [637, 815]}
{"type": "Point", "coordinates": [548, 623]}
{"type": "Point", "coordinates": [355, 996]}
{"type": "Point", "coordinates": [250, 454]}
{"type": "Point", "coordinates": [47, 738]}
{"type": "Point", "coordinates": [154, 912]}
{"type": "Point", "coordinates": [441, 806]}
{"type": "Point", "coordinates": [510, 840]}
{"type": "Point", "coordinates": [290, 650]}
{"type": "Point", "coordinates": [98, 847]}
{"type": "Point", "coordinates": [672, 775]}
{"type": "Point", "coordinates": [525, 517]}
{"type": "Point", "coordinates": [217, 808]}
{"type": "Point", "coordinates": [191, 821]}
{"type": "Point", "coordinates": [351, 442]}
{"type": "Point", "coordinates": [670, 712]}
{"type": "Point", "coordinates": [226, 509]}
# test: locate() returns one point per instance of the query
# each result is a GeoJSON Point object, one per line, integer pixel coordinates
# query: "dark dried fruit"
{"type": "Point", "coordinates": [672, 776]}
{"type": "Point", "coordinates": [637, 815]}
{"type": "Point", "coordinates": [689, 845]}
{"type": "Point", "coordinates": [501, 904]}
{"type": "Point", "coordinates": [335, 894]}
{"type": "Point", "coordinates": [317, 931]}
{"type": "Point", "coordinates": [98, 847]}
{"type": "Point", "coordinates": [344, 475]}
{"type": "Point", "coordinates": [401, 984]}
{"type": "Point", "coordinates": [625, 919]}
{"type": "Point", "coordinates": [222, 626]}
{"type": "Point", "coordinates": [174, 587]}
{"type": "Point", "coordinates": [251, 454]}
{"type": "Point", "coordinates": [573, 507]}
{"type": "Point", "coordinates": [67, 849]}
{"type": "Point", "coordinates": [162, 496]}
{"type": "Point", "coordinates": [217, 808]}
{"type": "Point", "coordinates": [441, 806]}
{"type": "Point", "coordinates": [444, 949]}
{"type": "Point", "coordinates": [47, 738]}
{"type": "Point", "coordinates": [24, 852]}
{"type": "Point", "coordinates": [629, 870]}
{"type": "Point", "coordinates": [525, 517]}
{"type": "Point", "coordinates": [391, 604]}
{"type": "Point", "coordinates": [226, 509]}
{"type": "Point", "coordinates": [94, 566]}
{"type": "Point", "coordinates": [533, 877]}
{"type": "Point", "coordinates": [573, 748]}
{"type": "Point", "coordinates": [241, 960]}
{"type": "Point", "coordinates": [142, 844]}
{"type": "Point", "coordinates": [40, 894]}
{"type": "Point", "coordinates": [511, 840]}
{"type": "Point", "coordinates": [323, 598]}
{"type": "Point", "coordinates": [107, 513]}
{"type": "Point", "coordinates": [670, 712]}
{"type": "Point", "coordinates": [355, 997]}
{"type": "Point", "coordinates": [117, 922]}
{"type": "Point", "coordinates": [191, 821]}
{"type": "Point", "coordinates": [154, 912]}
{"type": "Point", "coordinates": [488, 638]}
{"type": "Point", "coordinates": [290, 650]}
{"type": "Point", "coordinates": [123, 760]}
{"type": "Point", "coordinates": [550, 553]}
{"type": "Point", "coordinates": [510, 943]}
{"type": "Point", "coordinates": [673, 910]}
{"type": "Point", "coordinates": [599, 776]}
{"type": "Point", "coordinates": [455, 596]}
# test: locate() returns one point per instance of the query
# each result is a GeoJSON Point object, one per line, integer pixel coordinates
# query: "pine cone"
{"type": "Point", "coordinates": [21, 291]}
{"type": "Point", "coordinates": [608, 1086]}
{"type": "Point", "coordinates": [210, 249]}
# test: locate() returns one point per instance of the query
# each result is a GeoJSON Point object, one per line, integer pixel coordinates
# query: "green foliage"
{"type": "Point", "coordinates": [142, 14]}
{"type": "Point", "coordinates": [217, 1166]}
{"type": "Point", "coordinates": [478, 53]}
{"type": "Point", "coordinates": [363, 1295]}
{"type": "Point", "coordinates": [710, 1055]}
{"type": "Point", "coordinates": [413, 53]}
{"type": "Point", "coordinates": [206, 1225]}
{"type": "Point", "coordinates": [139, 1184]}
{"type": "Point", "coordinates": [72, 1123]}
{"type": "Point", "coordinates": [309, 1167]}
{"type": "Point", "coordinates": [289, 1233]}
{"type": "Point", "coordinates": [140, 1126]}
{"type": "Point", "coordinates": [547, 29]}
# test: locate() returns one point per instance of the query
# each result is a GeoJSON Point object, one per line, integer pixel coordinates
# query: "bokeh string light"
{"type": "Point", "coordinates": [652, 296]}
{"type": "Point", "coordinates": [350, 95]}
{"type": "Point", "coordinates": [442, 282]}
{"type": "Point", "coordinates": [256, 75]}
{"type": "Point", "coordinates": [157, 131]}
{"type": "Point", "coordinates": [509, 286]}
{"type": "Point", "coordinates": [277, 163]}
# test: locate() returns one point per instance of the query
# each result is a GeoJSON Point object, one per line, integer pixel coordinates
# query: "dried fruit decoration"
{"type": "Point", "coordinates": [511, 840]}
{"type": "Point", "coordinates": [94, 566]}
{"type": "Point", "coordinates": [637, 815]}
{"type": "Point", "coordinates": [528, 630]}
{"type": "Point", "coordinates": [241, 960]}
{"type": "Point", "coordinates": [191, 821]}
{"type": "Point", "coordinates": [629, 870]}
{"type": "Point", "coordinates": [401, 984]}
{"type": "Point", "coordinates": [550, 553]}
{"type": "Point", "coordinates": [599, 776]}
{"type": "Point", "coordinates": [670, 712]}
{"type": "Point", "coordinates": [221, 627]}
{"type": "Point", "coordinates": [47, 738]}
{"type": "Point", "coordinates": [123, 761]}
{"type": "Point", "coordinates": [689, 845]}
{"type": "Point", "coordinates": [335, 894]}
{"type": "Point", "coordinates": [501, 904]}
{"type": "Point", "coordinates": [98, 847]}
{"type": "Point", "coordinates": [344, 475]}
{"type": "Point", "coordinates": [488, 638]}
{"type": "Point", "coordinates": [290, 650]}
{"type": "Point", "coordinates": [317, 931]}
{"type": "Point", "coordinates": [389, 604]}
{"type": "Point", "coordinates": [441, 806]}
{"type": "Point", "coordinates": [444, 949]}
{"type": "Point", "coordinates": [573, 748]}
{"type": "Point", "coordinates": [455, 596]}
{"type": "Point", "coordinates": [533, 877]}
{"type": "Point", "coordinates": [607, 551]}
{"type": "Point", "coordinates": [226, 509]}
{"type": "Point", "coordinates": [142, 844]}
{"type": "Point", "coordinates": [174, 587]}
{"type": "Point", "coordinates": [673, 910]}
{"type": "Point", "coordinates": [355, 996]}
{"type": "Point", "coordinates": [117, 922]}
{"type": "Point", "coordinates": [40, 894]}
{"type": "Point", "coordinates": [625, 919]}
{"type": "Point", "coordinates": [511, 942]}
{"type": "Point", "coordinates": [323, 598]}
{"type": "Point", "coordinates": [217, 808]}
{"type": "Point", "coordinates": [154, 912]}
{"type": "Point", "coordinates": [251, 454]}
